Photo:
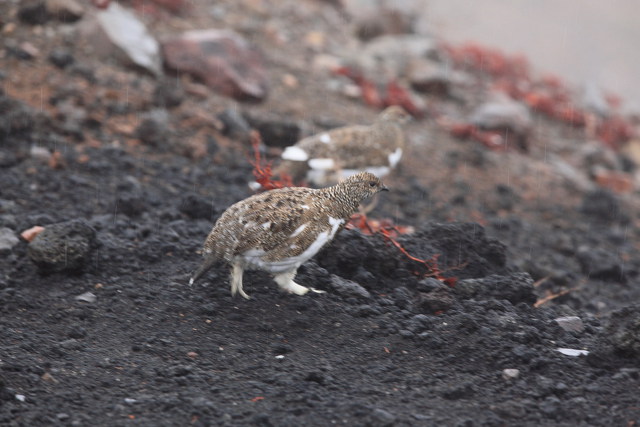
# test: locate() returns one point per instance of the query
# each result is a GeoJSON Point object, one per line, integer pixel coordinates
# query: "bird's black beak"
{"type": "Point", "coordinates": [384, 188]}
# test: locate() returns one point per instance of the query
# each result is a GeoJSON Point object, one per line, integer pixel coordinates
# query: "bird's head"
{"type": "Point", "coordinates": [395, 114]}
{"type": "Point", "coordinates": [363, 185]}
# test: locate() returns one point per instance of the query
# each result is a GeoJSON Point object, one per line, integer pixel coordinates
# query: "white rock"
{"type": "Point", "coordinates": [573, 352]}
{"type": "Point", "coordinates": [40, 153]}
{"type": "Point", "coordinates": [510, 374]}
{"type": "Point", "coordinates": [126, 34]}
{"type": "Point", "coordinates": [87, 297]}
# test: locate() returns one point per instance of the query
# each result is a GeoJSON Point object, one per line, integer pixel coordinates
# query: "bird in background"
{"type": "Point", "coordinates": [328, 157]}
{"type": "Point", "coordinates": [278, 230]}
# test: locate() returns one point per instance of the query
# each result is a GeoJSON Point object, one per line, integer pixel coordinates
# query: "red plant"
{"type": "Point", "coordinates": [547, 95]}
{"type": "Point", "coordinates": [262, 170]}
{"type": "Point", "coordinates": [370, 93]}
{"type": "Point", "coordinates": [398, 95]}
{"type": "Point", "coordinates": [614, 131]}
{"type": "Point", "coordinates": [487, 60]}
{"type": "Point", "coordinates": [490, 139]}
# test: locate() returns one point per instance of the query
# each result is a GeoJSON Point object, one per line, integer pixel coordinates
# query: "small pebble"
{"type": "Point", "coordinates": [510, 374]}
{"type": "Point", "coordinates": [570, 323]}
{"type": "Point", "coordinates": [87, 297]}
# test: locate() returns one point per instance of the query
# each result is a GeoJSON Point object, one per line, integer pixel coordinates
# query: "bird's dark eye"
{"type": "Point", "coordinates": [372, 183]}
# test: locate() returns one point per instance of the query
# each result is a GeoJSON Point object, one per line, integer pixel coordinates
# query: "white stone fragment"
{"type": "Point", "coordinates": [573, 352]}
{"type": "Point", "coordinates": [130, 35]}
{"type": "Point", "coordinates": [254, 185]}
{"type": "Point", "coordinates": [87, 297]}
{"type": "Point", "coordinates": [510, 374]}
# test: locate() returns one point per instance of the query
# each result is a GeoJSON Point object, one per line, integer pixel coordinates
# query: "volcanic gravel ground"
{"type": "Point", "coordinates": [382, 347]}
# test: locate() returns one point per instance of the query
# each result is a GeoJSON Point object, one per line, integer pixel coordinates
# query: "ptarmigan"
{"type": "Point", "coordinates": [327, 157]}
{"type": "Point", "coordinates": [278, 230]}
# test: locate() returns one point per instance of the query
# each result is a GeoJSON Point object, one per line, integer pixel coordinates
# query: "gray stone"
{"type": "Point", "coordinates": [435, 301]}
{"type": "Point", "coordinates": [61, 58]}
{"type": "Point", "coordinates": [65, 10]}
{"type": "Point", "coordinates": [623, 331]}
{"type": "Point", "coordinates": [89, 297]}
{"type": "Point", "coordinates": [65, 246]}
{"type": "Point", "coordinates": [222, 59]}
{"type": "Point", "coordinates": [154, 129]}
{"type": "Point", "coordinates": [235, 125]}
{"type": "Point", "coordinates": [347, 288]}
{"type": "Point", "coordinates": [502, 113]}
{"type": "Point", "coordinates": [429, 76]}
{"type": "Point", "coordinates": [8, 240]}
{"type": "Point", "coordinates": [7, 205]}
{"type": "Point", "coordinates": [275, 131]}
{"type": "Point", "coordinates": [391, 56]}
{"type": "Point", "coordinates": [33, 12]}
{"type": "Point", "coordinates": [602, 264]}
{"type": "Point", "coordinates": [570, 323]}
{"type": "Point", "coordinates": [514, 287]}
{"type": "Point", "coordinates": [382, 418]}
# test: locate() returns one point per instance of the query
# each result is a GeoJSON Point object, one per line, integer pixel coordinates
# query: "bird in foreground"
{"type": "Point", "coordinates": [278, 230]}
{"type": "Point", "coordinates": [327, 157]}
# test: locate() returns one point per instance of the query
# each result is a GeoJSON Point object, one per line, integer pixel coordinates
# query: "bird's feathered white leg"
{"type": "Point", "coordinates": [286, 283]}
{"type": "Point", "coordinates": [236, 281]}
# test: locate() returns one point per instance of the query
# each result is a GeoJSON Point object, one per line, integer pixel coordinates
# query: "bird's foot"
{"type": "Point", "coordinates": [236, 282]}
{"type": "Point", "coordinates": [286, 283]}
{"type": "Point", "coordinates": [294, 288]}
{"type": "Point", "coordinates": [236, 288]}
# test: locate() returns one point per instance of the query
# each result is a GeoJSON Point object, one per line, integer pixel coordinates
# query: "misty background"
{"type": "Point", "coordinates": [586, 42]}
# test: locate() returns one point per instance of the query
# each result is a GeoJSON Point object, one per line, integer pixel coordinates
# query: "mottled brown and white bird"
{"type": "Point", "coordinates": [327, 157]}
{"type": "Point", "coordinates": [278, 230]}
